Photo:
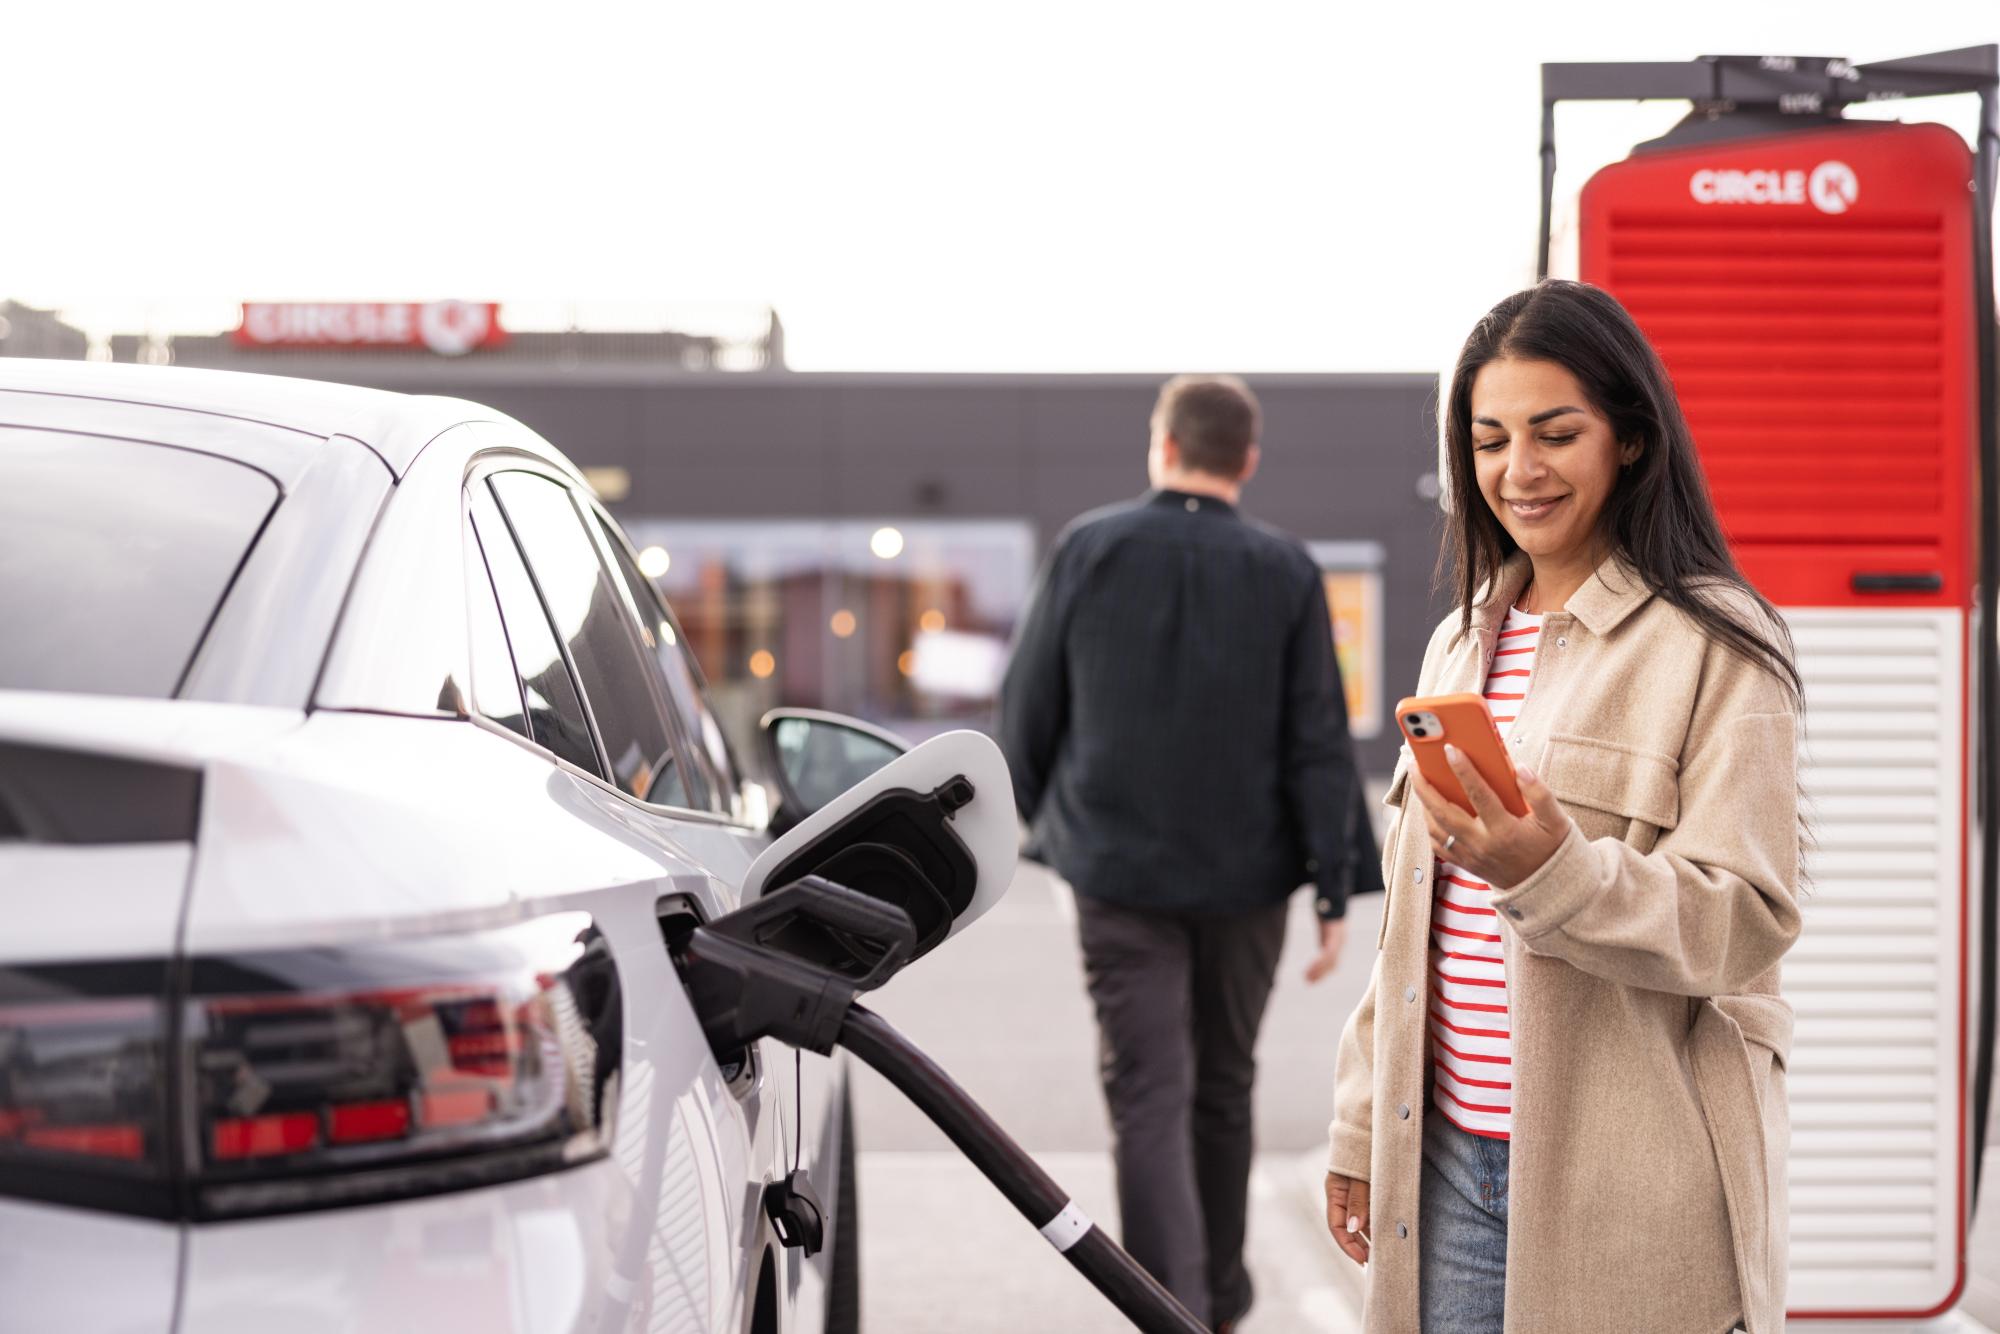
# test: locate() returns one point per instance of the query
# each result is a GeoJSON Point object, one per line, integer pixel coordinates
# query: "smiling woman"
{"type": "Point", "coordinates": [1594, 1083]}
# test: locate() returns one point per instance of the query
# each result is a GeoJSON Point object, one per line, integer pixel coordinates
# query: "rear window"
{"type": "Point", "coordinates": [113, 557]}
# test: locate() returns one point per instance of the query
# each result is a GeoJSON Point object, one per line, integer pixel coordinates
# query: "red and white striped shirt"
{"type": "Point", "coordinates": [1472, 1043]}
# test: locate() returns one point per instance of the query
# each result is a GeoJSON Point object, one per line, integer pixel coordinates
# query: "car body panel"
{"type": "Point", "coordinates": [75, 903]}
{"type": "Point", "coordinates": [402, 645]}
{"type": "Point", "coordinates": [77, 1269]}
{"type": "Point", "coordinates": [268, 640]}
{"type": "Point", "coordinates": [170, 731]}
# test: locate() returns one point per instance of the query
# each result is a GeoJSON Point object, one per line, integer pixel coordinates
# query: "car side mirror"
{"type": "Point", "coordinates": [811, 757]}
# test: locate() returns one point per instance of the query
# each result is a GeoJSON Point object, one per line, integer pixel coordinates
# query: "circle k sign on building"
{"type": "Point", "coordinates": [448, 328]}
{"type": "Point", "coordinates": [1831, 187]}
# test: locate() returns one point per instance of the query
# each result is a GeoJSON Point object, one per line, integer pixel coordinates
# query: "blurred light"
{"type": "Point", "coordinates": [932, 620]}
{"type": "Point", "coordinates": [843, 623]}
{"type": "Point", "coordinates": [667, 634]}
{"type": "Point", "coordinates": [654, 562]}
{"type": "Point", "coordinates": [906, 662]}
{"type": "Point", "coordinates": [762, 664]}
{"type": "Point", "coordinates": [886, 543]}
{"type": "Point", "coordinates": [611, 484]}
{"type": "Point", "coordinates": [952, 662]}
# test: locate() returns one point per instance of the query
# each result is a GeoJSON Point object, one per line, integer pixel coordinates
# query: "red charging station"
{"type": "Point", "coordinates": [1821, 290]}
{"type": "Point", "coordinates": [1811, 294]}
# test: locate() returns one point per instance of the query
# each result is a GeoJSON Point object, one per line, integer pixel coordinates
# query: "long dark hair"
{"type": "Point", "coordinates": [1658, 517]}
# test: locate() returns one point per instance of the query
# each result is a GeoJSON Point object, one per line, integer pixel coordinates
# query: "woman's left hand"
{"type": "Point", "coordinates": [1494, 844]}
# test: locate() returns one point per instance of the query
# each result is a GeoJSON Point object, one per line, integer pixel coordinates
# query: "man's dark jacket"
{"type": "Point", "coordinates": [1173, 714]}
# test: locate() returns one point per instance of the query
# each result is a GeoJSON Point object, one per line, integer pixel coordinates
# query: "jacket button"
{"type": "Point", "coordinates": [1562, 641]}
{"type": "Point", "coordinates": [1416, 875]}
{"type": "Point", "coordinates": [1402, 1231]}
{"type": "Point", "coordinates": [1410, 994]}
{"type": "Point", "coordinates": [1193, 505]}
{"type": "Point", "coordinates": [1513, 912]}
{"type": "Point", "coordinates": [1325, 905]}
{"type": "Point", "coordinates": [1403, 1111]}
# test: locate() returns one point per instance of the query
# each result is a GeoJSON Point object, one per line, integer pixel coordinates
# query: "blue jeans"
{"type": "Point", "coordinates": [1462, 1250]}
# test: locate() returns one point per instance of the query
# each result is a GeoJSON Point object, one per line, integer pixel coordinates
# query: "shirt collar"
{"type": "Point", "coordinates": [1612, 593]}
{"type": "Point", "coordinates": [1189, 501]}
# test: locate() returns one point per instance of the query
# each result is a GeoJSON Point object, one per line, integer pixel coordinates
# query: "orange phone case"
{"type": "Point", "coordinates": [1467, 724]}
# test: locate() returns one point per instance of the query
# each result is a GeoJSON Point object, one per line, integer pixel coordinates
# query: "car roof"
{"type": "Point", "coordinates": [277, 420]}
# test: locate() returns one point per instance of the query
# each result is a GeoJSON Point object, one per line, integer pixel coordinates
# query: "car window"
{"type": "Point", "coordinates": [555, 709]}
{"type": "Point", "coordinates": [496, 689]}
{"type": "Point", "coordinates": [113, 558]}
{"type": "Point", "coordinates": [706, 747]}
{"type": "Point", "coordinates": [619, 689]}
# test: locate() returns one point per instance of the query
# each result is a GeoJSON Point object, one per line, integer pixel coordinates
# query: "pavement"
{"type": "Point", "coordinates": [1003, 1009]}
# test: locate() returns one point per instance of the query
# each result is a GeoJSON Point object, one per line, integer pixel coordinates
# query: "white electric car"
{"type": "Point", "coordinates": [355, 789]}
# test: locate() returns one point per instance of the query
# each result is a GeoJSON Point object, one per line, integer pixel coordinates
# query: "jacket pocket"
{"type": "Point", "coordinates": [1738, 1046]}
{"type": "Point", "coordinates": [1766, 1024]}
{"type": "Point", "coordinates": [1612, 788]}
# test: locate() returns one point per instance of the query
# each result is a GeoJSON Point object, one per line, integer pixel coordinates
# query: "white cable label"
{"type": "Point", "coordinates": [1066, 1228]}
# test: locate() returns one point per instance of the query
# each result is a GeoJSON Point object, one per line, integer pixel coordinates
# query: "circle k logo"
{"type": "Point", "coordinates": [1832, 187]}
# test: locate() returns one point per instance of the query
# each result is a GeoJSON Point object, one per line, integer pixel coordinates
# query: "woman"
{"type": "Point", "coordinates": [1561, 1104]}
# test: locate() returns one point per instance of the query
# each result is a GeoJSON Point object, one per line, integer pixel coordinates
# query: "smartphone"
{"type": "Point", "coordinates": [1429, 721]}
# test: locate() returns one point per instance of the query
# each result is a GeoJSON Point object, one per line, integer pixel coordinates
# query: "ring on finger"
{"type": "Point", "coordinates": [1449, 840]}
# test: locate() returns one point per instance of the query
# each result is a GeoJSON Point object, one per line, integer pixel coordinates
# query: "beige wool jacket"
{"type": "Point", "coordinates": [1646, 1179]}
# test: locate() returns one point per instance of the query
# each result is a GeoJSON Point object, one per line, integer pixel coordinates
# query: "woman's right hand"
{"type": "Point", "coordinates": [1347, 1215]}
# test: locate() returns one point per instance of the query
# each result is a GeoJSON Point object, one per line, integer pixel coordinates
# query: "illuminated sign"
{"type": "Point", "coordinates": [1351, 573]}
{"type": "Point", "coordinates": [448, 328]}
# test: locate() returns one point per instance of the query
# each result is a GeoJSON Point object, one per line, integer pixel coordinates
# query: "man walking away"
{"type": "Point", "coordinates": [1178, 737]}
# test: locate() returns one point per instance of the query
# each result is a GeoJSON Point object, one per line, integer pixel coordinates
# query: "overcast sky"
{"type": "Point", "coordinates": [930, 186]}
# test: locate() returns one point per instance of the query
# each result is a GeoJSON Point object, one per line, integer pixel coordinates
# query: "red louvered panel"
{"type": "Point", "coordinates": [1811, 296]}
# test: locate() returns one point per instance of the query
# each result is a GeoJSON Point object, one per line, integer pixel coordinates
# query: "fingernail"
{"type": "Point", "coordinates": [1527, 774]}
{"type": "Point", "coordinates": [1353, 1224]}
{"type": "Point", "coordinates": [1450, 751]}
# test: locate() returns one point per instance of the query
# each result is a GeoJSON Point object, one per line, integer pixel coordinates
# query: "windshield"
{"type": "Point", "coordinates": [113, 558]}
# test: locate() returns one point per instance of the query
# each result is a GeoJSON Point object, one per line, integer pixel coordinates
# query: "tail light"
{"type": "Point", "coordinates": [302, 1079]}
{"type": "Point", "coordinates": [83, 1085]}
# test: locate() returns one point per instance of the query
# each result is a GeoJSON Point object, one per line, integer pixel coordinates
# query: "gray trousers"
{"type": "Point", "coordinates": [1179, 998]}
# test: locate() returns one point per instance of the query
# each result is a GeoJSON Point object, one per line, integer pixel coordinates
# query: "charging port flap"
{"type": "Point", "coordinates": [932, 833]}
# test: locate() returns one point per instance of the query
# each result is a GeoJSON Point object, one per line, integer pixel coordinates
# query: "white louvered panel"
{"type": "Point", "coordinates": [1876, 1122]}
